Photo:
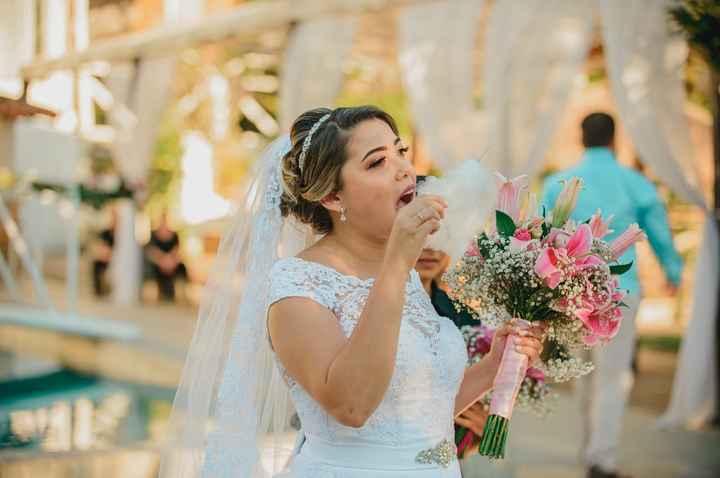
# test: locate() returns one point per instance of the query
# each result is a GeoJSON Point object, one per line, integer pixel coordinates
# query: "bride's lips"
{"type": "Point", "coordinates": [426, 261]}
{"type": "Point", "coordinates": [406, 197]}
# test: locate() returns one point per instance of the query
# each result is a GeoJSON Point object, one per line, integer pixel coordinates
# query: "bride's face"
{"type": "Point", "coordinates": [378, 178]}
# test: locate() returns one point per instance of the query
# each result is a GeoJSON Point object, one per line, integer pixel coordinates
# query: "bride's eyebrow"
{"type": "Point", "coordinates": [379, 148]}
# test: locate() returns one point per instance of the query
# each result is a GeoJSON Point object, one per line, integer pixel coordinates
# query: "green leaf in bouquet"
{"type": "Point", "coordinates": [623, 304]}
{"type": "Point", "coordinates": [545, 230]}
{"type": "Point", "coordinates": [620, 269]}
{"type": "Point", "coordinates": [505, 224]}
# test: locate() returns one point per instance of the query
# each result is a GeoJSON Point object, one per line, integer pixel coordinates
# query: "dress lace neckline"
{"type": "Point", "coordinates": [367, 282]}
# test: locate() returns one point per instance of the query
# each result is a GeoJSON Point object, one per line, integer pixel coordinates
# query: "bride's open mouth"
{"type": "Point", "coordinates": [406, 197]}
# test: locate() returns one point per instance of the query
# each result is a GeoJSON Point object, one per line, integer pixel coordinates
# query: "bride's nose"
{"type": "Point", "coordinates": [405, 170]}
{"type": "Point", "coordinates": [402, 174]}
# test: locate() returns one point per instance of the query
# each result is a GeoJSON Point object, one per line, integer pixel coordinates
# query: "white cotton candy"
{"type": "Point", "coordinates": [470, 192]}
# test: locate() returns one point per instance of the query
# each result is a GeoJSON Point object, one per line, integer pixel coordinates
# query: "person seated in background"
{"type": "Point", "coordinates": [430, 267]}
{"type": "Point", "coordinates": [101, 250]}
{"type": "Point", "coordinates": [163, 254]}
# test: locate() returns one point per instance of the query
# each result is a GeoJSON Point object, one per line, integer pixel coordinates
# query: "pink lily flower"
{"type": "Point", "coordinates": [599, 227]}
{"type": "Point", "coordinates": [566, 201]}
{"type": "Point", "coordinates": [580, 243]}
{"type": "Point", "coordinates": [547, 267]}
{"type": "Point", "coordinates": [508, 200]}
{"type": "Point", "coordinates": [623, 242]}
{"type": "Point", "coordinates": [602, 325]}
{"type": "Point", "coordinates": [577, 247]}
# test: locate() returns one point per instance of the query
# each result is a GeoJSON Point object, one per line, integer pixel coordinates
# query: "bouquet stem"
{"type": "Point", "coordinates": [506, 386]}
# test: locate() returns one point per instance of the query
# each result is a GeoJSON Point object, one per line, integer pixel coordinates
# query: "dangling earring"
{"type": "Point", "coordinates": [343, 217]}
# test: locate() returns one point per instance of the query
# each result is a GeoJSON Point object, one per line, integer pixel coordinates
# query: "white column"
{"type": "Point", "coordinates": [17, 40]}
{"type": "Point", "coordinates": [83, 85]}
{"type": "Point", "coordinates": [55, 27]}
{"type": "Point", "coordinates": [56, 91]}
{"type": "Point", "coordinates": [183, 10]}
{"type": "Point", "coordinates": [127, 255]}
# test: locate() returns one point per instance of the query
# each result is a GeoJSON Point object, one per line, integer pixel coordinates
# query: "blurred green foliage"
{"type": "Point", "coordinates": [700, 21]}
{"type": "Point", "coordinates": [165, 169]}
{"type": "Point", "coordinates": [393, 102]}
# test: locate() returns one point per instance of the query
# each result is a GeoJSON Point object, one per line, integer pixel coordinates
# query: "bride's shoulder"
{"type": "Point", "coordinates": [297, 270]}
{"type": "Point", "coordinates": [312, 260]}
{"type": "Point", "coordinates": [296, 265]}
{"type": "Point", "coordinates": [297, 277]}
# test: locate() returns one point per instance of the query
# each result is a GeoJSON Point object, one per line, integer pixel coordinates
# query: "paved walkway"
{"type": "Point", "coordinates": [547, 448]}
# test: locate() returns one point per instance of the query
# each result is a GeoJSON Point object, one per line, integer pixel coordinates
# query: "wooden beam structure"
{"type": "Point", "coordinates": [11, 109]}
{"type": "Point", "coordinates": [245, 19]}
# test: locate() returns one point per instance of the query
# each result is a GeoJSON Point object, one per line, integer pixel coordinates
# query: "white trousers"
{"type": "Point", "coordinates": [604, 393]}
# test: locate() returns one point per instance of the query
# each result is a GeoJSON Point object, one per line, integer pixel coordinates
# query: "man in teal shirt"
{"type": "Point", "coordinates": [631, 198]}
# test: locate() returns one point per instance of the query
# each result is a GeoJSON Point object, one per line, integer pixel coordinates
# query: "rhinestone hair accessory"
{"type": "Point", "coordinates": [308, 141]}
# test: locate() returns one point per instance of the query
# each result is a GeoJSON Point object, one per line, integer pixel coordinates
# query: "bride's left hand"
{"type": "Point", "coordinates": [527, 341]}
{"type": "Point", "coordinates": [474, 418]}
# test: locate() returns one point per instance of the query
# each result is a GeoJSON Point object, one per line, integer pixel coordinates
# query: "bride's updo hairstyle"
{"type": "Point", "coordinates": [308, 179]}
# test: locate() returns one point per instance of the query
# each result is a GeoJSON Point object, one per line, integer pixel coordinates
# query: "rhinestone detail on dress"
{"type": "Point", "coordinates": [441, 454]}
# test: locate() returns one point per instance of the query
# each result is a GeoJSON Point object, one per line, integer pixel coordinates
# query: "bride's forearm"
{"type": "Point", "coordinates": [360, 374]}
{"type": "Point", "coordinates": [477, 381]}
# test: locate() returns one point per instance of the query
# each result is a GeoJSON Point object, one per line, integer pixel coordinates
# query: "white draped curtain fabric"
{"type": "Point", "coordinates": [17, 36]}
{"type": "Point", "coordinates": [533, 53]}
{"type": "Point", "coordinates": [313, 72]}
{"type": "Point", "coordinates": [436, 43]}
{"type": "Point", "coordinates": [645, 65]}
{"type": "Point", "coordinates": [141, 93]}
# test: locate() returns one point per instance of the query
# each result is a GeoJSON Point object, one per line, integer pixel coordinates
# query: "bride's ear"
{"type": "Point", "coordinates": [332, 202]}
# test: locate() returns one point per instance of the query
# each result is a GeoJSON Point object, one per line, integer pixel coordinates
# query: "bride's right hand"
{"type": "Point", "coordinates": [413, 224]}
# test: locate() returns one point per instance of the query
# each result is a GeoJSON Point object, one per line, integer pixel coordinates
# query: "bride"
{"type": "Point", "coordinates": [316, 304]}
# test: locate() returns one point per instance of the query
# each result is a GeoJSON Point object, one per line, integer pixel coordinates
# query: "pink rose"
{"type": "Point", "coordinates": [522, 234]}
{"type": "Point", "coordinates": [535, 374]}
{"type": "Point", "coordinates": [472, 250]}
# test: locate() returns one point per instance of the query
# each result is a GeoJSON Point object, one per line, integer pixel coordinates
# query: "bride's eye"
{"type": "Point", "coordinates": [404, 150]}
{"type": "Point", "coordinates": [376, 163]}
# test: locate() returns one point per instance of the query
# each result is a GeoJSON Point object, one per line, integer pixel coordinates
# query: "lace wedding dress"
{"type": "Point", "coordinates": [411, 432]}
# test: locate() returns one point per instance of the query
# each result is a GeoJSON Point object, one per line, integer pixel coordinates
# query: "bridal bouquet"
{"type": "Point", "coordinates": [541, 267]}
{"type": "Point", "coordinates": [534, 394]}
